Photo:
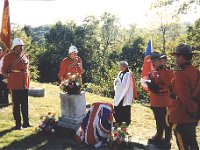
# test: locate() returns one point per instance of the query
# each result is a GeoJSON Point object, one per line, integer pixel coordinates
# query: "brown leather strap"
{"type": "Point", "coordinates": [70, 66]}
{"type": "Point", "coordinates": [14, 63]}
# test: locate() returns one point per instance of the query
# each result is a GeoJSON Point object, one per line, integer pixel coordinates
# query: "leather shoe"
{"type": "Point", "coordinates": [26, 125]}
{"type": "Point", "coordinates": [17, 128]}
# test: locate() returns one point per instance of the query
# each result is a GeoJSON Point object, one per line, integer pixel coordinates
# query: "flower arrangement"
{"type": "Point", "coordinates": [47, 123]}
{"type": "Point", "coordinates": [119, 137]}
{"type": "Point", "coordinates": [72, 85]}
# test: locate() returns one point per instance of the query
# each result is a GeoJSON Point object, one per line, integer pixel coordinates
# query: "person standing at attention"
{"type": "Point", "coordinates": [71, 65]}
{"type": "Point", "coordinates": [159, 87]}
{"type": "Point", "coordinates": [185, 99]}
{"type": "Point", "coordinates": [16, 69]}
{"type": "Point", "coordinates": [125, 92]}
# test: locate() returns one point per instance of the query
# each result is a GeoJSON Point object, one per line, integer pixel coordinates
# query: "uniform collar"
{"type": "Point", "coordinates": [183, 66]}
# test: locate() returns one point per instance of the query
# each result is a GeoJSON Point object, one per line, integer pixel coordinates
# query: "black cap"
{"type": "Point", "coordinates": [154, 56]}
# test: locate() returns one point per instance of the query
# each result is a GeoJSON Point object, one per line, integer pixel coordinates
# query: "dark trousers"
{"type": "Point", "coordinates": [3, 91]}
{"type": "Point", "coordinates": [162, 125]}
{"type": "Point", "coordinates": [186, 136]}
{"type": "Point", "coordinates": [122, 113]}
{"type": "Point", "coordinates": [20, 103]}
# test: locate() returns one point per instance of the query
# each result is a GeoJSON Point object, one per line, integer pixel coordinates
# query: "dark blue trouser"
{"type": "Point", "coordinates": [20, 104]}
{"type": "Point", "coordinates": [186, 136]}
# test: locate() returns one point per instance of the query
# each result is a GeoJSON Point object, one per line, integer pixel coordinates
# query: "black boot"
{"type": "Point", "coordinates": [155, 139]}
{"type": "Point", "coordinates": [18, 125]}
{"type": "Point", "coordinates": [26, 124]}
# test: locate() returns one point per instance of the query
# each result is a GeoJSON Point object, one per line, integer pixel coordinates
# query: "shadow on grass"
{"type": "Point", "coordinates": [43, 141]}
{"type": "Point", "coordinates": [2, 133]}
{"type": "Point", "coordinates": [62, 139]}
{"type": "Point", "coordinates": [4, 105]}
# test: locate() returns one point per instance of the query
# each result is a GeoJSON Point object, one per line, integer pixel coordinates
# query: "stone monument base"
{"type": "Point", "coordinates": [73, 110]}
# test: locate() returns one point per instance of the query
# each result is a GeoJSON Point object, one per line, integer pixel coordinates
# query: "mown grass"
{"type": "Point", "coordinates": [142, 126]}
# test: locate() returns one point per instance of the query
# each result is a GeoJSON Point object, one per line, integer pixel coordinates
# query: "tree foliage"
{"type": "Point", "coordinates": [102, 43]}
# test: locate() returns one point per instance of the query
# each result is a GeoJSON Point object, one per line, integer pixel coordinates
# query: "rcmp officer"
{"type": "Point", "coordinates": [184, 107]}
{"type": "Point", "coordinates": [3, 85]}
{"type": "Point", "coordinates": [71, 65]}
{"type": "Point", "coordinates": [159, 100]}
{"type": "Point", "coordinates": [16, 68]}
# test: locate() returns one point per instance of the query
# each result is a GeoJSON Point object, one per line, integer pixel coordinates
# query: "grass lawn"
{"type": "Point", "coordinates": [142, 126]}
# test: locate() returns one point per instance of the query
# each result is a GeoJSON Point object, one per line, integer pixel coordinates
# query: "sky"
{"type": "Point", "coordinates": [41, 12]}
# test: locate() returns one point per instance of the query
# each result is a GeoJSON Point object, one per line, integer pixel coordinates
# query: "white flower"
{"type": "Point", "coordinates": [114, 138]}
{"type": "Point", "coordinates": [126, 140]}
{"type": "Point", "coordinates": [73, 76]}
{"type": "Point", "coordinates": [98, 144]}
{"type": "Point", "coordinates": [53, 130]}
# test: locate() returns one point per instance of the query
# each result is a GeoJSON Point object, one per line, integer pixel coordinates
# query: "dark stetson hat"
{"type": "Point", "coordinates": [183, 49]}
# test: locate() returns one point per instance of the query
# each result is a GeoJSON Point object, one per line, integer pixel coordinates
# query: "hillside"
{"type": "Point", "coordinates": [141, 128]}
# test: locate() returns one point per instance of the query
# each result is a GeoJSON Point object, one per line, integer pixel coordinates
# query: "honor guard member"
{"type": "Point", "coordinates": [3, 85]}
{"type": "Point", "coordinates": [16, 68]}
{"type": "Point", "coordinates": [159, 87]}
{"type": "Point", "coordinates": [71, 65]}
{"type": "Point", "coordinates": [185, 97]}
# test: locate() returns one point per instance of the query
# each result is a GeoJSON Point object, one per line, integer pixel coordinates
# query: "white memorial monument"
{"type": "Point", "coordinates": [73, 110]}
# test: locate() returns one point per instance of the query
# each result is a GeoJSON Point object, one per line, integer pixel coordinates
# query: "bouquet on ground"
{"type": "Point", "coordinates": [119, 137]}
{"type": "Point", "coordinates": [72, 85]}
{"type": "Point", "coordinates": [47, 123]}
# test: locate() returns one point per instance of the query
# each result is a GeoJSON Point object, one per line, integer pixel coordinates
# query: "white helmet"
{"type": "Point", "coordinates": [73, 49]}
{"type": "Point", "coordinates": [17, 42]}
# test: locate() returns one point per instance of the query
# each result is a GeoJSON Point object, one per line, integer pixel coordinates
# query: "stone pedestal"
{"type": "Point", "coordinates": [73, 110]}
{"type": "Point", "coordinates": [36, 92]}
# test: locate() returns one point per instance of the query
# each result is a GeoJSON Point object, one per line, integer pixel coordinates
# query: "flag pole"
{"type": "Point", "coordinates": [152, 42]}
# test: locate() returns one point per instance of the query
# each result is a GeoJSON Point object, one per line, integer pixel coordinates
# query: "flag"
{"type": "Point", "coordinates": [147, 66]}
{"type": "Point", "coordinates": [97, 124]}
{"type": "Point", "coordinates": [5, 28]}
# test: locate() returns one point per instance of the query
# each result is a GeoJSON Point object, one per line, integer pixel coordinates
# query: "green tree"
{"type": "Point", "coordinates": [193, 37]}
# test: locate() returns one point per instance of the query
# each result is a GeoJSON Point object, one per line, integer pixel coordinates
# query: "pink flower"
{"type": "Point", "coordinates": [123, 129]}
{"type": "Point", "coordinates": [116, 134]}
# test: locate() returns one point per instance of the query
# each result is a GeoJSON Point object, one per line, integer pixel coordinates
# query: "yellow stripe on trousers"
{"type": "Point", "coordinates": [167, 117]}
{"type": "Point", "coordinates": [179, 138]}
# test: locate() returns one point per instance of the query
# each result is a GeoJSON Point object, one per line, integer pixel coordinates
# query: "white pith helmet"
{"type": "Point", "coordinates": [17, 42]}
{"type": "Point", "coordinates": [73, 49]}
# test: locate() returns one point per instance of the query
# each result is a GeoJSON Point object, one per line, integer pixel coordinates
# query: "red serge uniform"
{"type": "Point", "coordinates": [159, 101]}
{"type": "Point", "coordinates": [70, 67]}
{"type": "Point", "coordinates": [18, 75]}
{"type": "Point", "coordinates": [162, 78]}
{"type": "Point", "coordinates": [183, 82]}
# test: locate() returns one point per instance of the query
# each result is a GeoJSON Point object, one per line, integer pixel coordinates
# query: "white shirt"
{"type": "Point", "coordinates": [1, 65]}
{"type": "Point", "coordinates": [123, 89]}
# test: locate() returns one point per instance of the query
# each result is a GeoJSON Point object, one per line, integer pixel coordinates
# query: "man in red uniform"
{"type": "Point", "coordinates": [184, 105]}
{"type": "Point", "coordinates": [3, 85]}
{"type": "Point", "coordinates": [159, 100]}
{"type": "Point", "coordinates": [71, 66]}
{"type": "Point", "coordinates": [16, 68]}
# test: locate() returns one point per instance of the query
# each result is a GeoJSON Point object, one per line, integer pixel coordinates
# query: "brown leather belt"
{"type": "Point", "coordinates": [17, 71]}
